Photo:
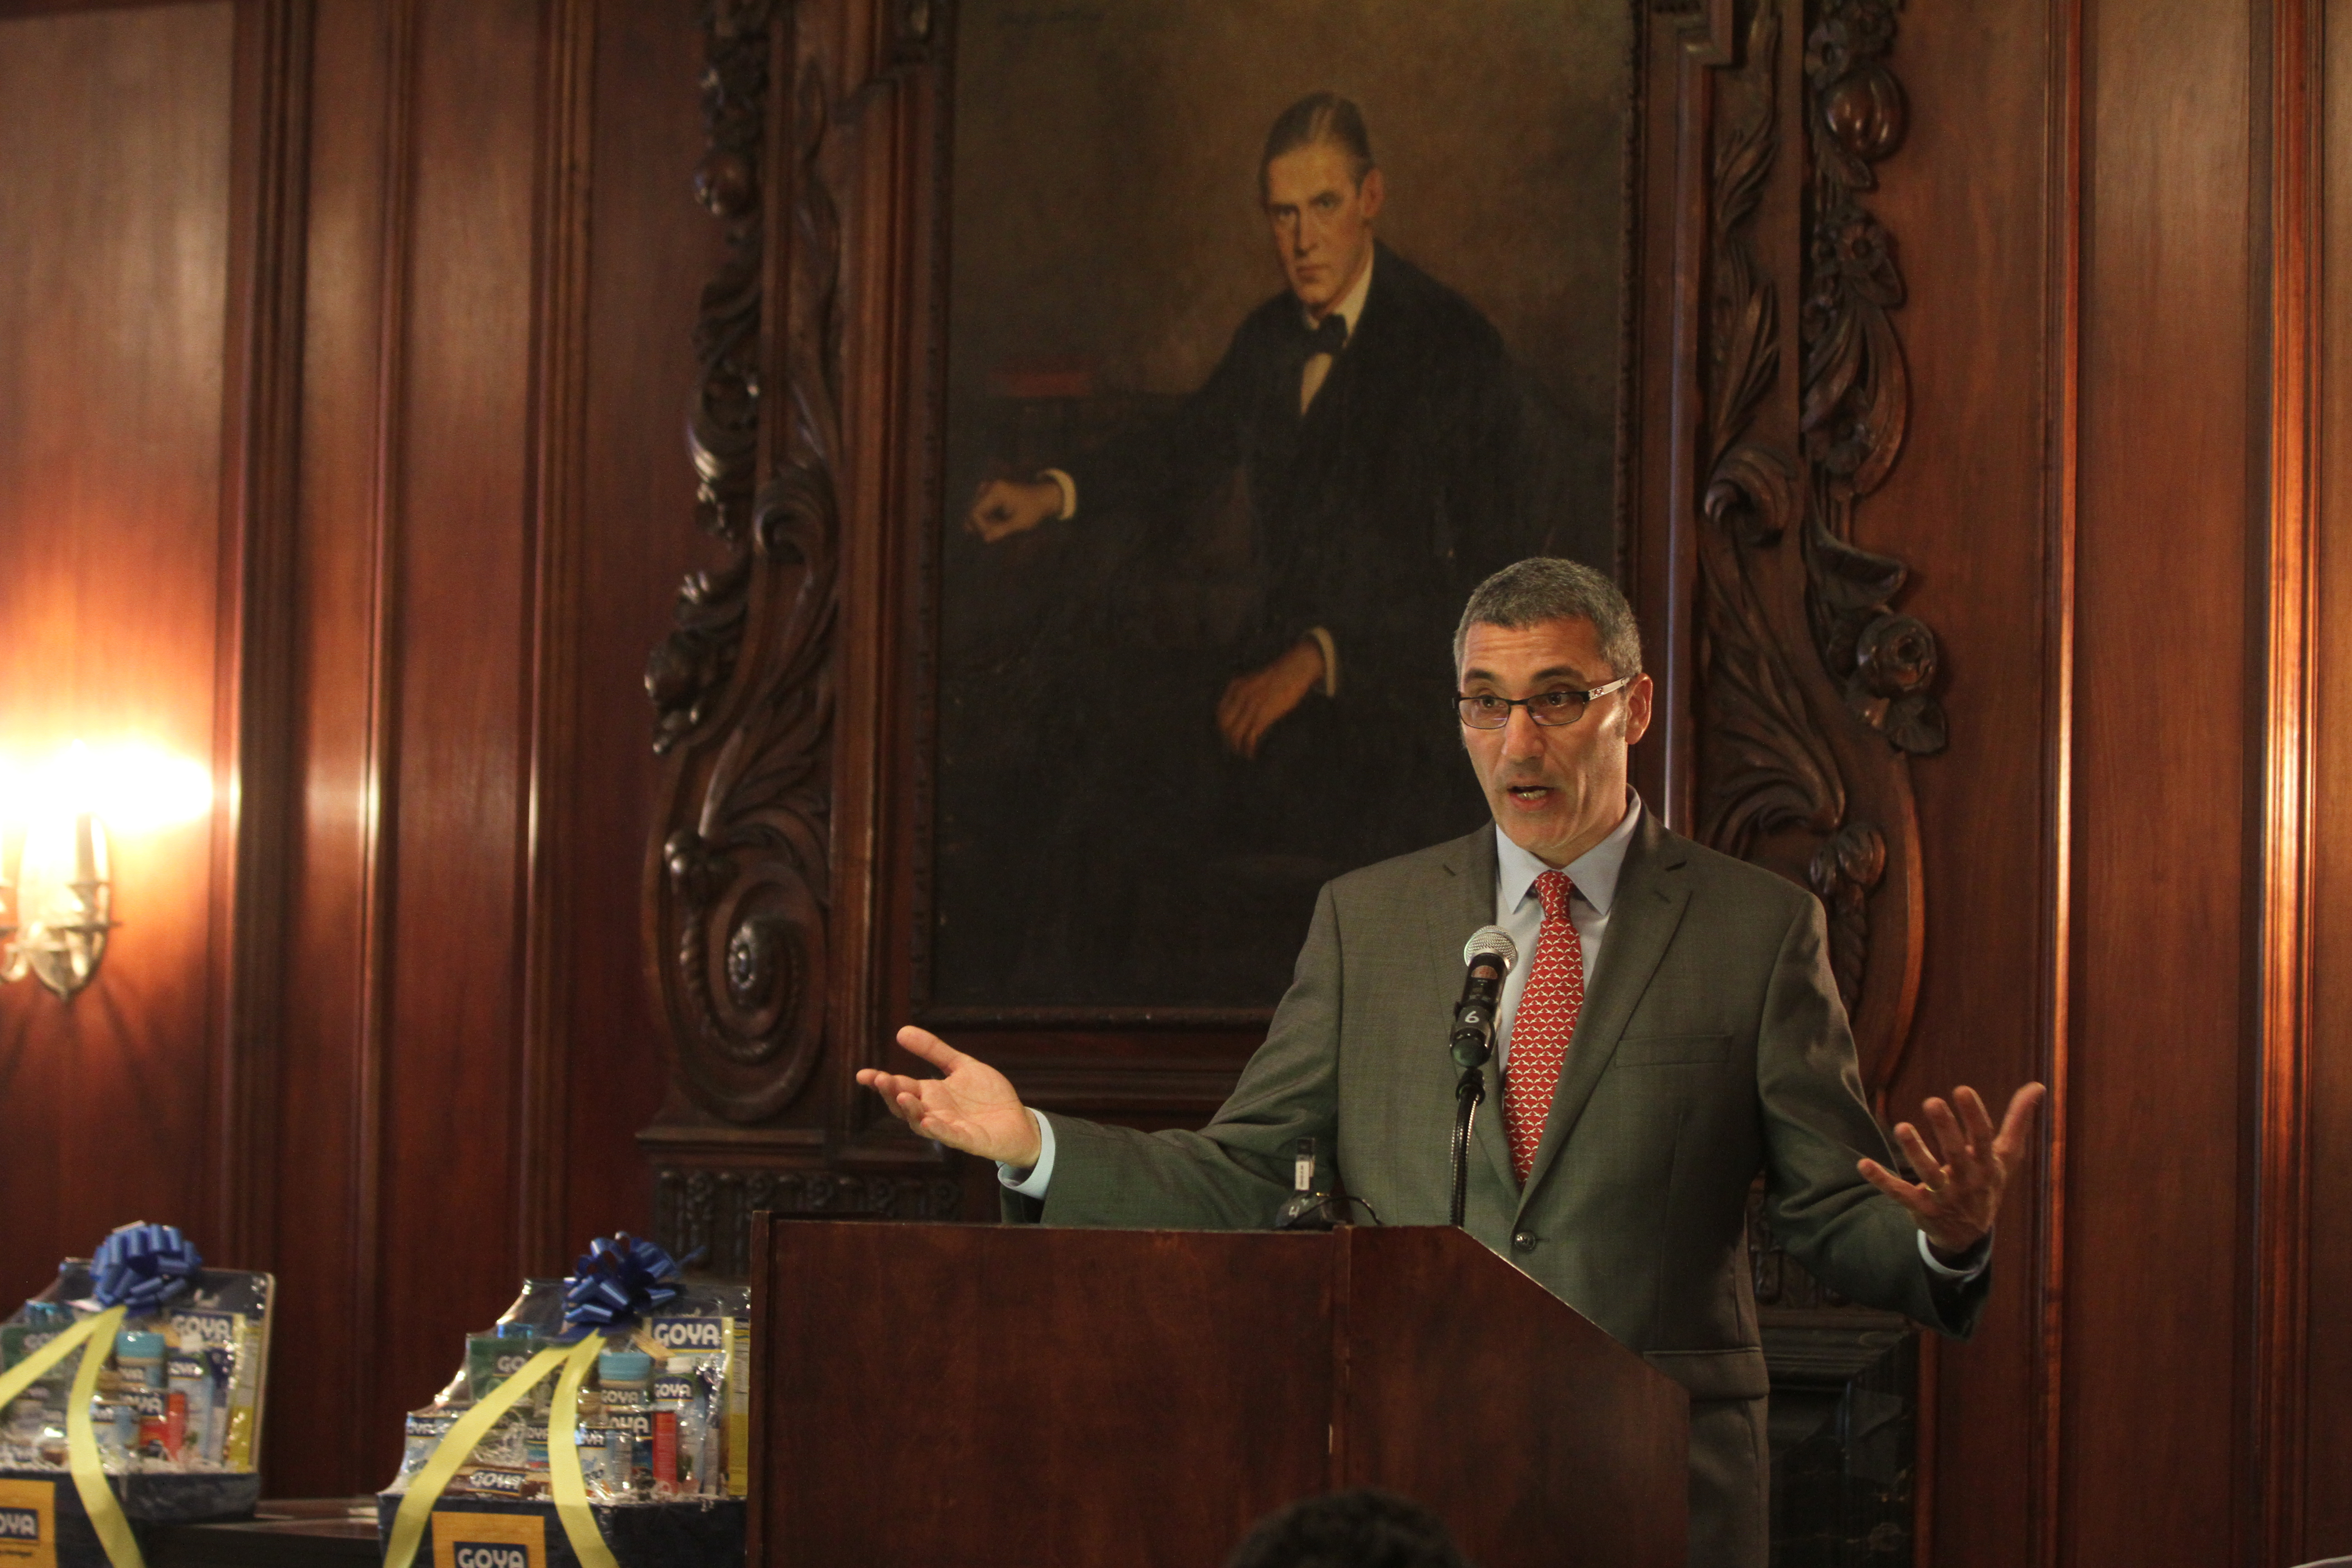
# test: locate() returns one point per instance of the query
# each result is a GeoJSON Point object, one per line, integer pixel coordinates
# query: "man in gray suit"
{"type": "Point", "coordinates": [1631, 1115]}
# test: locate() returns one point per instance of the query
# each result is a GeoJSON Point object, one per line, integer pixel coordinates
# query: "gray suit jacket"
{"type": "Point", "coordinates": [1712, 1045]}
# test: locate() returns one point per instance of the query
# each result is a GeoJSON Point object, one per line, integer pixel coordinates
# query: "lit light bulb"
{"type": "Point", "coordinates": [136, 786]}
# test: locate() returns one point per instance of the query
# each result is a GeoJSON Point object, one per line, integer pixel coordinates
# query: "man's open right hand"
{"type": "Point", "coordinates": [971, 1107]}
{"type": "Point", "coordinates": [1001, 507]}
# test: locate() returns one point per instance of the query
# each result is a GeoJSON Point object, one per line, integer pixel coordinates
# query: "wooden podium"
{"type": "Point", "coordinates": [968, 1395]}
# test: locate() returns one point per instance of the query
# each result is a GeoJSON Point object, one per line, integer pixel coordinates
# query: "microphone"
{"type": "Point", "coordinates": [1489, 955]}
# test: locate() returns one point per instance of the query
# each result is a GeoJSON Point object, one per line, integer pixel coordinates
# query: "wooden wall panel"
{"type": "Point", "coordinates": [650, 242]}
{"type": "Point", "coordinates": [2324, 1527]}
{"type": "Point", "coordinates": [1967, 507]}
{"type": "Point", "coordinates": [324, 1241]}
{"type": "Point", "coordinates": [2167, 539]}
{"type": "Point", "coordinates": [442, 727]}
{"type": "Point", "coordinates": [460, 474]}
{"type": "Point", "coordinates": [115, 135]}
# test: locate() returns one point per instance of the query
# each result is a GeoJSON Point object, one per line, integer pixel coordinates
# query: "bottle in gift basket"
{"type": "Point", "coordinates": [190, 1380]}
{"type": "Point", "coordinates": [627, 1379]}
{"type": "Point", "coordinates": [114, 1422]}
{"type": "Point", "coordinates": [139, 1359]}
{"type": "Point", "coordinates": [677, 1428]}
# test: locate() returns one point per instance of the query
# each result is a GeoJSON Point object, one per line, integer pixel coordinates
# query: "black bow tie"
{"type": "Point", "coordinates": [1329, 336]}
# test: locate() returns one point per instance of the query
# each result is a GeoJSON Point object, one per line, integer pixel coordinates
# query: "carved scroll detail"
{"type": "Point", "coordinates": [746, 857]}
{"type": "Point", "coordinates": [1771, 769]}
{"type": "Point", "coordinates": [1857, 390]}
{"type": "Point", "coordinates": [1768, 771]}
{"type": "Point", "coordinates": [690, 667]}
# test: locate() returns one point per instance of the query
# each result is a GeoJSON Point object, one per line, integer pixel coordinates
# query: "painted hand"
{"type": "Point", "coordinates": [973, 1108]}
{"type": "Point", "coordinates": [1256, 702]}
{"type": "Point", "coordinates": [1003, 508]}
{"type": "Point", "coordinates": [1957, 1196]}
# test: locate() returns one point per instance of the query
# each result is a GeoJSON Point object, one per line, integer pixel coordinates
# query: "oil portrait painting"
{"type": "Point", "coordinates": [1273, 328]}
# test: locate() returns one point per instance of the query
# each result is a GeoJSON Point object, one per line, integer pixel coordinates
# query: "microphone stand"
{"type": "Point", "coordinates": [1467, 1093]}
{"type": "Point", "coordinates": [1489, 957]}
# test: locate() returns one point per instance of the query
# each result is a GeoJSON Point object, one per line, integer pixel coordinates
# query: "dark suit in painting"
{"type": "Point", "coordinates": [1420, 466]}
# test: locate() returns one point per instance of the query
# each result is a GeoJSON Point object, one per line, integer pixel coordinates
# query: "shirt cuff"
{"type": "Point", "coordinates": [1331, 659]}
{"type": "Point", "coordinates": [1936, 1266]}
{"type": "Point", "coordinates": [1069, 489]}
{"type": "Point", "coordinates": [1033, 1181]}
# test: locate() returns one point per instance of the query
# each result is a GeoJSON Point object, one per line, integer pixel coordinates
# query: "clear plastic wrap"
{"type": "Point", "coordinates": [652, 1424]}
{"type": "Point", "coordinates": [181, 1391]}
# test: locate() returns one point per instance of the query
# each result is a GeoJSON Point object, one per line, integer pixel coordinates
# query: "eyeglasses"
{"type": "Point", "coordinates": [1555, 709]}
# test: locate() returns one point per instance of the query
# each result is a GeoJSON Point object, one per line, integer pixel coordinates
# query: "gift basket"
{"type": "Point", "coordinates": [601, 1421]}
{"type": "Point", "coordinates": [130, 1393]}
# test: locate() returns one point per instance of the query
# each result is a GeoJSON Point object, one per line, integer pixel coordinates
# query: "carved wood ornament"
{"type": "Point", "coordinates": [743, 687]}
{"type": "Point", "coordinates": [1813, 690]}
{"type": "Point", "coordinates": [790, 697]}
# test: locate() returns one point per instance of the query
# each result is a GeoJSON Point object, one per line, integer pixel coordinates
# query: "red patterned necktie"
{"type": "Point", "coordinates": [1546, 1018]}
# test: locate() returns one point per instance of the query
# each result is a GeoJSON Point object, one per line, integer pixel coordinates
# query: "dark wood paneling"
{"type": "Point", "coordinates": [2158, 1108]}
{"type": "Point", "coordinates": [254, 720]}
{"type": "Point", "coordinates": [324, 1245]}
{"type": "Point", "coordinates": [113, 306]}
{"type": "Point", "coordinates": [1965, 200]}
{"type": "Point", "coordinates": [2326, 1391]}
{"type": "Point", "coordinates": [460, 473]}
{"type": "Point", "coordinates": [2274, 1483]}
{"type": "Point", "coordinates": [487, 448]}
{"type": "Point", "coordinates": [638, 538]}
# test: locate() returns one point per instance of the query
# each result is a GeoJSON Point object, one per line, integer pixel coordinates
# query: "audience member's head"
{"type": "Point", "coordinates": [1350, 1530]}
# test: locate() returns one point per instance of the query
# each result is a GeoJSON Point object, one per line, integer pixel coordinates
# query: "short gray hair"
{"type": "Point", "coordinates": [1547, 588]}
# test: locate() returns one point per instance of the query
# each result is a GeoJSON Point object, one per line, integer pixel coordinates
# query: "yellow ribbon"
{"type": "Point", "coordinates": [82, 1448]}
{"type": "Point", "coordinates": [417, 1507]}
{"type": "Point", "coordinates": [98, 1499]}
{"type": "Point", "coordinates": [563, 1460]}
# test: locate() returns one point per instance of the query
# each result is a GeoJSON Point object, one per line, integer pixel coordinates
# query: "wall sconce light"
{"type": "Point", "coordinates": [56, 918]}
{"type": "Point", "coordinates": [67, 899]}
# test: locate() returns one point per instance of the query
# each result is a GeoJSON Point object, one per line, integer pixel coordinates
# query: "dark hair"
{"type": "Point", "coordinates": [1316, 118]}
{"type": "Point", "coordinates": [1350, 1530]}
{"type": "Point", "coordinates": [1548, 588]}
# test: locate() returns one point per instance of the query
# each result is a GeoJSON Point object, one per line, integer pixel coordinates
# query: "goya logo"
{"type": "Point", "coordinates": [488, 1540]}
{"type": "Point", "coordinates": [512, 1362]}
{"type": "Point", "coordinates": [190, 1329]}
{"type": "Point", "coordinates": [689, 1334]}
{"type": "Point", "coordinates": [673, 1390]}
{"type": "Point", "coordinates": [509, 1481]}
{"type": "Point", "coordinates": [471, 1554]}
{"type": "Point", "coordinates": [146, 1400]}
{"type": "Point", "coordinates": [634, 1422]}
{"type": "Point", "coordinates": [27, 1520]}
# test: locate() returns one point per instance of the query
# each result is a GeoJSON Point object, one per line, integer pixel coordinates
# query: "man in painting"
{"type": "Point", "coordinates": [1670, 1032]}
{"type": "Point", "coordinates": [1380, 433]}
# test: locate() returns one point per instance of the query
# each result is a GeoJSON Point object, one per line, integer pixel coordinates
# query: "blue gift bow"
{"type": "Point", "coordinates": [142, 1266]}
{"type": "Point", "coordinates": [620, 1278]}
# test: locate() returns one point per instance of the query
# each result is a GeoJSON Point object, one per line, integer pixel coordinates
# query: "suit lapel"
{"type": "Point", "coordinates": [1650, 893]}
{"type": "Point", "coordinates": [1470, 904]}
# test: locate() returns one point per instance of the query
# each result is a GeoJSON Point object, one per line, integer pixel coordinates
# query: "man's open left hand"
{"type": "Point", "coordinates": [1959, 1193]}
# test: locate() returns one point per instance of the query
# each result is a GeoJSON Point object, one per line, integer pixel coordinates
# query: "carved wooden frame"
{"type": "Point", "coordinates": [793, 696]}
